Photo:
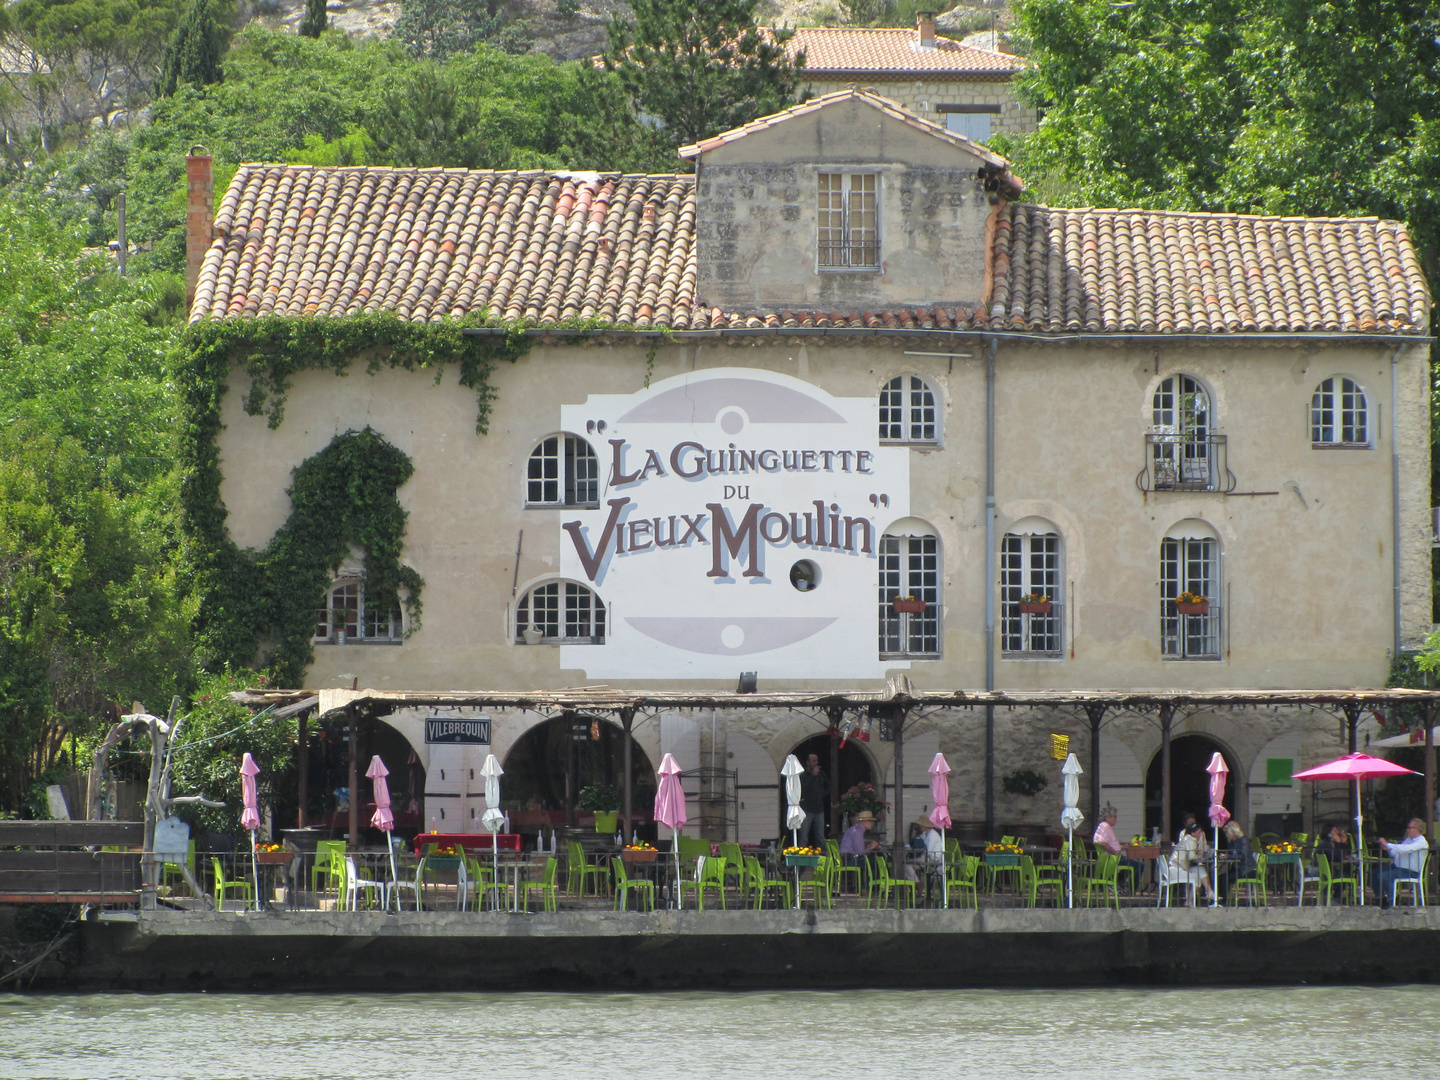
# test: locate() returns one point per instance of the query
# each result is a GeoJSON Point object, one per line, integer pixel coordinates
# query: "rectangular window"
{"type": "Point", "coordinates": [973, 126]}
{"type": "Point", "coordinates": [909, 570]}
{"type": "Point", "coordinates": [1030, 567]}
{"type": "Point", "coordinates": [848, 218]}
{"type": "Point", "coordinates": [346, 611]}
{"type": "Point", "coordinates": [1188, 565]}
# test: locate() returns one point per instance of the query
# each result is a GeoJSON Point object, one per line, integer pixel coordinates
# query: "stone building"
{"type": "Point", "coordinates": [965, 89]}
{"type": "Point", "coordinates": [838, 409]}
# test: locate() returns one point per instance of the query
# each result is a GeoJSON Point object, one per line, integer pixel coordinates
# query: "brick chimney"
{"type": "Point", "coordinates": [925, 27]}
{"type": "Point", "coordinates": [199, 215]}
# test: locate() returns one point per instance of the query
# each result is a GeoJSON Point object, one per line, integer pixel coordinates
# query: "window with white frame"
{"type": "Point", "coordinates": [1182, 455]}
{"type": "Point", "coordinates": [347, 617]}
{"type": "Point", "coordinates": [907, 411]}
{"type": "Point", "coordinates": [1190, 610]}
{"type": "Point", "coordinates": [560, 612]}
{"type": "Point", "coordinates": [848, 215]}
{"type": "Point", "coordinates": [909, 600]}
{"type": "Point", "coordinates": [563, 471]}
{"type": "Point", "coordinates": [1031, 611]}
{"type": "Point", "coordinates": [1339, 415]}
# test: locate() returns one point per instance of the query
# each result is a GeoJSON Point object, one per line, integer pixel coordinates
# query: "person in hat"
{"type": "Point", "coordinates": [856, 847]}
{"type": "Point", "coordinates": [926, 838]}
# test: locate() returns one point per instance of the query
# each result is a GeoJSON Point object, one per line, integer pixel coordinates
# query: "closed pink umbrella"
{"type": "Point", "coordinates": [940, 813]}
{"type": "Point", "coordinates": [670, 805]}
{"type": "Point", "coordinates": [383, 819]}
{"type": "Point", "coordinates": [1356, 767]}
{"type": "Point", "coordinates": [1218, 771]}
{"type": "Point", "coordinates": [250, 815]}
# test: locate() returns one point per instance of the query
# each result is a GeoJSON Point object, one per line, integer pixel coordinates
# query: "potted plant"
{"type": "Point", "coordinates": [1188, 603]}
{"type": "Point", "coordinates": [1026, 782]}
{"type": "Point", "coordinates": [911, 605]}
{"type": "Point", "coordinates": [1035, 604]}
{"type": "Point", "coordinates": [859, 797]}
{"type": "Point", "coordinates": [602, 800]}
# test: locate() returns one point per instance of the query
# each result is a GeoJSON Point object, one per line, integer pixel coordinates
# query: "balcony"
{"type": "Point", "coordinates": [1179, 461]}
{"type": "Point", "coordinates": [1191, 637]}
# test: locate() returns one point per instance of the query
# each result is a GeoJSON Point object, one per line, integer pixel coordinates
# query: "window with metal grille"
{"type": "Point", "coordinates": [848, 216]}
{"type": "Point", "coordinates": [562, 611]}
{"type": "Point", "coordinates": [1030, 579]}
{"type": "Point", "coordinates": [910, 573]}
{"type": "Point", "coordinates": [345, 618]}
{"type": "Point", "coordinates": [1189, 567]}
{"type": "Point", "coordinates": [1338, 414]}
{"type": "Point", "coordinates": [1180, 445]}
{"type": "Point", "coordinates": [907, 411]}
{"type": "Point", "coordinates": [563, 471]}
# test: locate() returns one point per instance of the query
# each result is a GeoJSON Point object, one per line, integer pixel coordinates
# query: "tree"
{"type": "Point", "coordinates": [700, 67]}
{"type": "Point", "coordinates": [315, 20]}
{"type": "Point", "coordinates": [194, 53]}
{"type": "Point", "coordinates": [439, 29]}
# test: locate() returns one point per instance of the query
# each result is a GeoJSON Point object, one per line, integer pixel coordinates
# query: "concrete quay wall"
{"type": "Point", "coordinates": [746, 950]}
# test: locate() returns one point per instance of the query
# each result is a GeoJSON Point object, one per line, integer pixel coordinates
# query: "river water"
{"type": "Point", "coordinates": [1116, 1034]}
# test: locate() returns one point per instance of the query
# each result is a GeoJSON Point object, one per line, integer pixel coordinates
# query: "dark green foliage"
{"type": "Point", "coordinates": [195, 53]}
{"type": "Point", "coordinates": [253, 600]}
{"type": "Point", "coordinates": [1026, 782]}
{"type": "Point", "coordinates": [439, 29]}
{"type": "Point", "coordinates": [699, 66]}
{"type": "Point", "coordinates": [315, 19]}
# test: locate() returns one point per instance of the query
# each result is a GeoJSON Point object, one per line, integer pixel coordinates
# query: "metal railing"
{"type": "Point", "coordinates": [1178, 461]}
{"type": "Point", "coordinates": [1190, 637]}
{"type": "Point", "coordinates": [905, 634]}
{"type": "Point", "coordinates": [1031, 634]}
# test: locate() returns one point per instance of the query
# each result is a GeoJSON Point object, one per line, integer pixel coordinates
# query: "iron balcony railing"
{"type": "Point", "coordinates": [905, 634]}
{"type": "Point", "coordinates": [1179, 461]}
{"type": "Point", "coordinates": [1191, 637]}
{"type": "Point", "coordinates": [1031, 633]}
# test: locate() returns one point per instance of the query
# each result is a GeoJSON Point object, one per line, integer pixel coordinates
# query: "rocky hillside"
{"type": "Point", "coordinates": [583, 34]}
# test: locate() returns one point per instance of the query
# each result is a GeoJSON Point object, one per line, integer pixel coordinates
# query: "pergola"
{"type": "Point", "coordinates": [898, 701]}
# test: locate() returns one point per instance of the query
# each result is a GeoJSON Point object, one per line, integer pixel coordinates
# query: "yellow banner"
{"type": "Point", "coordinates": [1059, 747]}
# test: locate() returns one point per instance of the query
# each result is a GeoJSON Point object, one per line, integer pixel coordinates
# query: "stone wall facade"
{"type": "Point", "coordinates": [924, 97]}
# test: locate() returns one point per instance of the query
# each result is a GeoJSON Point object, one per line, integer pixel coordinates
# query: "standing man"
{"type": "Point", "coordinates": [815, 801]}
{"type": "Point", "coordinates": [1407, 857]}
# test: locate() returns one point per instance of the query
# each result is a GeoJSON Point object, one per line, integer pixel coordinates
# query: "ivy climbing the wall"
{"type": "Point", "coordinates": [259, 607]}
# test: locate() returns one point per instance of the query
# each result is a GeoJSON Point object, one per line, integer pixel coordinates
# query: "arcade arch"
{"type": "Point", "coordinates": [1189, 782]}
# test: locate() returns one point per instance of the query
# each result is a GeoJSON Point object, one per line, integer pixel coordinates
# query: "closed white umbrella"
{"type": "Point", "coordinates": [794, 816]}
{"type": "Point", "coordinates": [493, 817]}
{"type": "Point", "coordinates": [1071, 817]}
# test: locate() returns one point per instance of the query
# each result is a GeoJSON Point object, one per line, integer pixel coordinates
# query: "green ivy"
{"type": "Point", "coordinates": [256, 602]}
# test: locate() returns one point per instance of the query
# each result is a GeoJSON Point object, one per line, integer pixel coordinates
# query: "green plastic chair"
{"type": "Point", "coordinates": [711, 875]}
{"type": "Point", "coordinates": [222, 886]}
{"type": "Point", "coordinates": [1104, 878]}
{"type": "Point", "coordinates": [1035, 878]}
{"type": "Point", "coordinates": [545, 887]}
{"type": "Point", "coordinates": [330, 864]}
{"type": "Point", "coordinates": [759, 884]}
{"type": "Point", "coordinates": [960, 879]}
{"type": "Point", "coordinates": [819, 885]}
{"type": "Point", "coordinates": [1329, 882]}
{"type": "Point", "coordinates": [886, 884]}
{"type": "Point", "coordinates": [579, 870]}
{"type": "Point", "coordinates": [644, 890]}
{"type": "Point", "coordinates": [1252, 883]}
{"type": "Point", "coordinates": [734, 865]}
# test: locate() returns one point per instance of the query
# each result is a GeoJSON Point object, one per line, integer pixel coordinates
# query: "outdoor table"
{"type": "Point", "coordinates": [270, 865]}
{"type": "Point", "coordinates": [999, 862]}
{"type": "Point", "coordinates": [471, 842]}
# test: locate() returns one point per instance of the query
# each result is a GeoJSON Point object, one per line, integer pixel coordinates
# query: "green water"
{"type": "Point", "coordinates": [1115, 1034]}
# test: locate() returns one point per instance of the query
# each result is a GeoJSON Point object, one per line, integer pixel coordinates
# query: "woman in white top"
{"type": "Point", "coordinates": [1190, 860]}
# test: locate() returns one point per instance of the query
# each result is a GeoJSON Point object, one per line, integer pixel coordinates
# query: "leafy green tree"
{"type": "Point", "coordinates": [194, 53]}
{"type": "Point", "coordinates": [315, 20]}
{"type": "Point", "coordinates": [439, 29]}
{"type": "Point", "coordinates": [699, 67]}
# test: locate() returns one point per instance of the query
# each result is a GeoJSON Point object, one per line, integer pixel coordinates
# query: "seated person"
{"type": "Point", "coordinates": [1190, 859]}
{"type": "Point", "coordinates": [927, 839]}
{"type": "Point", "coordinates": [1407, 858]}
{"type": "Point", "coordinates": [1106, 839]}
{"type": "Point", "coordinates": [1334, 844]}
{"type": "Point", "coordinates": [856, 847]}
{"type": "Point", "coordinates": [1241, 862]}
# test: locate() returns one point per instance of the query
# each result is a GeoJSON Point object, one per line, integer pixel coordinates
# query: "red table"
{"type": "Point", "coordinates": [468, 841]}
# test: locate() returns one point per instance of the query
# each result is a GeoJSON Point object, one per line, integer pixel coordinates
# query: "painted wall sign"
{"type": "Point", "coordinates": [449, 729]}
{"type": "Point", "coordinates": [740, 517]}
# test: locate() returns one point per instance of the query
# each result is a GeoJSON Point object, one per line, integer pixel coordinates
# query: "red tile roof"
{"type": "Point", "coordinates": [854, 51]}
{"type": "Point", "coordinates": [552, 248]}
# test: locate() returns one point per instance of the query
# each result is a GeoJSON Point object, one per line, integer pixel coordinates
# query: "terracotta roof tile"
{"type": "Point", "coordinates": [558, 248]}
{"type": "Point", "coordinates": [854, 51]}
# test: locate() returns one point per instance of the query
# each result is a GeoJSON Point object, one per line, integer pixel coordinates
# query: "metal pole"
{"type": "Point", "coordinates": [627, 718]}
{"type": "Point", "coordinates": [1167, 713]}
{"type": "Point", "coordinates": [1429, 772]}
{"type": "Point", "coordinates": [835, 716]}
{"type": "Point", "coordinates": [354, 782]}
{"type": "Point", "coordinates": [989, 572]}
{"type": "Point", "coordinates": [898, 722]}
{"type": "Point", "coordinates": [1096, 713]}
{"type": "Point", "coordinates": [302, 766]}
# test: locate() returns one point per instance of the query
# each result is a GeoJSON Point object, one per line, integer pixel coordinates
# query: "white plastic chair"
{"type": "Point", "coordinates": [1167, 878]}
{"type": "Point", "coordinates": [393, 889]}
{"type": "Point", "coordinates": [354, 883]}
{"type": "Point", "coordinates": [1416, 885]}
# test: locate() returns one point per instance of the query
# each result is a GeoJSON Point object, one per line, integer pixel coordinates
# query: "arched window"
{"type": "Point", "coordinates": [1339, 415]}
{"type": "Point", "coordinates": [909, 596]}
{"type": "Point", "coordinates": [563, 471]}
{"type": "Point", "coordinates": [347, 617]}
{"type": "Point", "coordinates": [907, 412]}
{"type": "Point", "coordinates": [563, 612]}
{"type": "Point", "coordinates": [1183, 450]}
{"type": "Point", "coordinates": [1031, 590]}
{"type": "Point", "coordinates": [1190, 609]}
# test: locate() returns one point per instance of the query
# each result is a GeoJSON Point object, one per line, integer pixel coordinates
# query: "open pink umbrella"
{"type": "Point", "coordinates": [383, 819]}
{"type": "Point", "coordinates": [940, 812]}
{"type": "Point", "coordinates": [1218, 771]}
{"type": "Point", "coordinates": [670, 805]}
{"type": "Point", "coordinates": [250, 815]}
{"type": "Point", "coordinates": [1356, 767]}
